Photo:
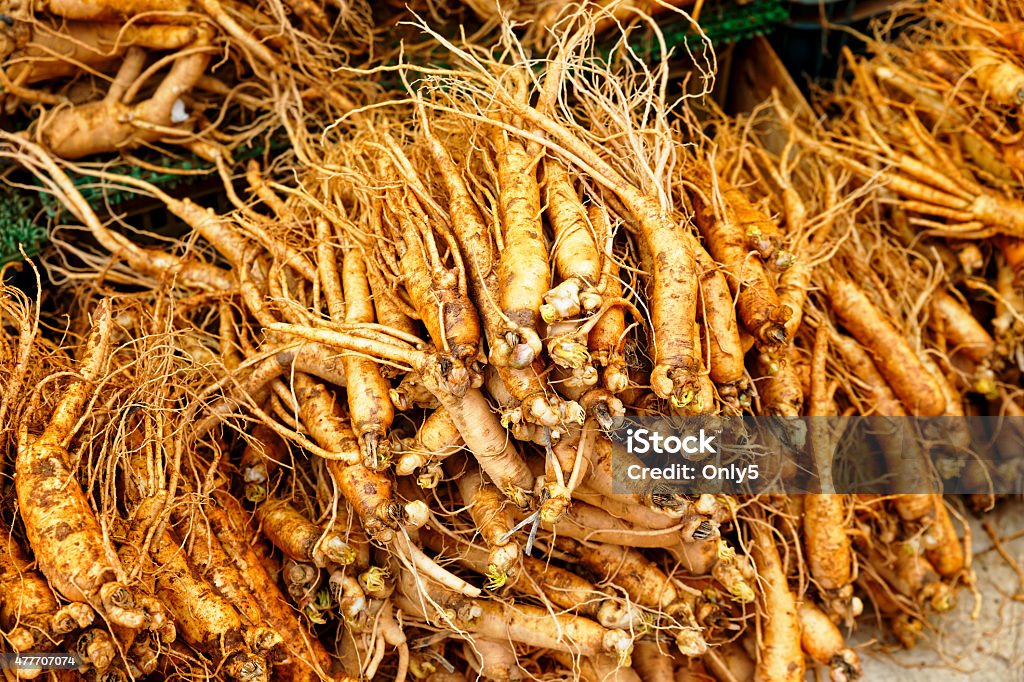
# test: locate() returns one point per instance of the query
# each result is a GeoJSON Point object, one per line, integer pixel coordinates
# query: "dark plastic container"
{"type": "Point", "coordinates": [810, 43]}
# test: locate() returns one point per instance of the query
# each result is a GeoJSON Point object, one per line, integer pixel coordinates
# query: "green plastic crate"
{"type": "Point", "coordinates": [22, 212]}
{"type": "Point", "coordinates": [19, 231]}
{"type": "Point", "coordinates": [725, 22]}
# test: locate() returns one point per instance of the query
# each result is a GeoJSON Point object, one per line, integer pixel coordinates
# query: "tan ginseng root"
{"type": "Point", "coordinates": [62, 530]}
{"type": "Point", "coordinates": [721, 333]}
{"type": "Point", "coordinates": [369, 491]}
{"type": "Point", "coordinates": [653, 661]}
{"type": "Point", "coordinates": [324, 420]}
{"type": "Point", "coordinates": [264, 453]}
{"type": "Point", "coordinates": [647, 586]}
{"type": "Point", "coordinates": [436, 439]}
{"type": "Point", "coordinates": [726, 219]}
{"type": "Point", "coordinates": [408, 552]}
{"type": "Point", "coordinates": [176, 10]}
{"type": "Point", "coordinates": [880, 399]}
{"type": "Point", "coordinates": [824, 643]}
{"type": "Point", "coordinates": [638, 509]}
{"type": "Point", "coordinates": [467, 407]}
{"type": "Point", "coordinates": [599, 470]}
{"type": "Point", "coordinates": [730, 569]}
{"type": "Point", "coordinates": [203, 618]}
{"type": "Point", "coordinates": [701, 398]}
{"type": "Point", "coordinates": [995, 72]}
{"type": "Point", "coordinates": [350, 599]}
{"type": "Point", "coordinates": [730, 662]}
{"type": "Point", "coordinates": [319, 410]}
{"type": "Point", "coordinates": [47, 52]}
{"type": "Point", "coordinates": [30, 616]}
{"type": "Point", "coordinates": [892, 353]}
{"type": "Point", "coordinates": [519, 623]}
{"type": "Point", "coordinates": [556, 495]}
{"type": "Point", "coordinates": [410, 393]}
{"type": "Point", "coordinates": [596, 668]}
{"type": "Point", "coordinates": [309, 658]}
{"type": "Point", "coordinates": [1008, 323]}
{"type": "Point", "coordinates": [574, 371]}
{"type": "Point", "coordinates": [217, 567]}
{"type": "Point", "coordinates": [524, 274]}
{"type": "Point", "coordinates": [795, 281]}
{"type": "Point", "coordinates": [778, 385]}
{"type": "Point", "coordinates": [780, 658]}
{"type": "Point", "coordinates": [1012, 252]}
{"type": "Point", "coordinates": [672, 295]}
{"type": "Point", "coordinates": [107, 11]}
{"type": "Point", "coordinates": [829, 555]}
{"type": "Point", "coordinates": [537, 404]}
{"type": "Point", "coordinates": [299, 538]}
{"type": "Point", "coordinates": [539, 418]}
{"type": "Point", "coordinates": [97, 649]}
{"type": "Point", "coordinates": [575, 250]}
{"type": "Point", "coordinates": [394, 635]}
{"type": "Point", "coordinates": [113, 122]}
{"type": "Point", "coordinates": [439, 291]}
{"type": "Point", "coordinates": [826, 523]}
{"type": "Point", "coordinates": [969, 211]}
{"type": "Point", "coordinates": [963, 333]}
{"type": "Point", "coordinates": [902, 569]}
{"type": "Point", "coordinates": [539, 577]}
{"type": "Point", "coordinates": [910, 466]}
{"type": "Point", "coordinates": [489, 510]}
{"type": "Point", "coordinates": [942, 546]}
{"type": "Point", "coordinates": [369, 404]}
{"type": "Point", "coordinates": [824, 517]}
{"type": "Point", "coordinates": [492, 659]}
{"type": "Point", "coordinates": [608, 336]}
{"type": "Point", "coordinates": [390, 311]}
{"type": "Point", "coordinates": [343, 521]}
{"type": "Point", "coordinates": [586, 522]}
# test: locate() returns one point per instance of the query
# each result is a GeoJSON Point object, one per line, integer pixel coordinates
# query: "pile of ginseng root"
{"type": "Point", "coordinates": [356, 426]}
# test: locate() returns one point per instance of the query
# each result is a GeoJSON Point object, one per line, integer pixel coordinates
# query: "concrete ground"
{"type": "Point", "coordinates": [961, 649]}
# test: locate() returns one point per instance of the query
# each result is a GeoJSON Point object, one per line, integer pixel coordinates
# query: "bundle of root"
{"type": "Point", "coordinates": [205, 76]}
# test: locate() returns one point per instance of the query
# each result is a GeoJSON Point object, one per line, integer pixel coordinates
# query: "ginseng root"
{"type": "Point", "coordinates": [299, 538]}
{"type": "Point", "coordinates": [369, 404]}
{"type": "Point", "coordinates": [29, 614]}
{"type": "Point", "coordinates": [780, 658]}
{"type": "Point", "coordinates": [725, 217]}
{"type": "Point", "coordinates": [524, 624]}
{"type": "Point", "coordinates": [489, 509]}
{"type": "Point", "coordinates": [894, 357]}
{"type": "Point", "coordinates": [523, 270]}
{"type": "Point", "coordinates": [829, 555]}
{"type": "Point", "coordinates": [824, 643]}
{"type": "Point", "coordinates": [62, 529]}
{"type": "Point", "coordinates": [575, 250]}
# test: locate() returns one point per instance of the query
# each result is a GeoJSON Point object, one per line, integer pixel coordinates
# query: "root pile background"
{"type": "Point", "coordinates": [352, 422]}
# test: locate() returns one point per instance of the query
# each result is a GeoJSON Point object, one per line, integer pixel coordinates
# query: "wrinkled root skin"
{"type": "Point", "coordinates": [97, 10]}
{"type": "Point", "coordinates": [110, 125]}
